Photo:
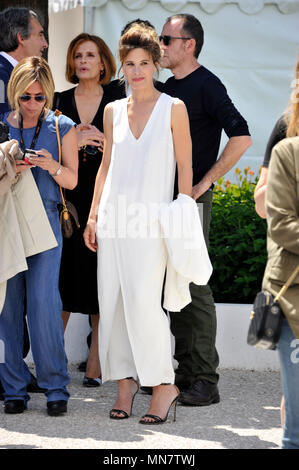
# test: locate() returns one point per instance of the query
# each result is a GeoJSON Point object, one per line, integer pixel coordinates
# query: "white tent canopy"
{"type": "Point", "coordinates": [209, 6]}
{"type": "Point", "coordinates": [252, 45]}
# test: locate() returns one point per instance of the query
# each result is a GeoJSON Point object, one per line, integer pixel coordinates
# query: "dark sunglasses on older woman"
{"type": "Point", "coordinates": [38, 98]}
{"type": "Point", "coordinates": [166, 39]}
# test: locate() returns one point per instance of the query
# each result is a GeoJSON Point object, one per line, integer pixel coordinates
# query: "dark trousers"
{"type": "Point", "coordinates": [194, 328]}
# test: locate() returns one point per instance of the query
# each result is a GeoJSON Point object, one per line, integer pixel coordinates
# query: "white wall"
{"type": "Point", "coordinates": [233, 321]}
{"type": "Point", "coordinates": [232, 328]}
{"type": "Point", "coordinates": [63, 27]}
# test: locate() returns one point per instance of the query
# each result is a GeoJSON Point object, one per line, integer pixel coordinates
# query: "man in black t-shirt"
{"type": "Point", "coordinates": [210, 110]}
{"type": "Point", "coordinates": [278, 133]}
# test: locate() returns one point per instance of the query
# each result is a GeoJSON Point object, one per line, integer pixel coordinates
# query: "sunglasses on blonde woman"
{"type": "Point", "coordinates": [38, 98]}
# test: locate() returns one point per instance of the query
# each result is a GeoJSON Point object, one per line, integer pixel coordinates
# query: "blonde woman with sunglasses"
{"type": "Point", "coordinates": [33, 125]}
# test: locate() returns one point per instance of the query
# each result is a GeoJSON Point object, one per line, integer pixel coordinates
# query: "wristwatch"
{"type": "Point", "coordinates": [57, 172]}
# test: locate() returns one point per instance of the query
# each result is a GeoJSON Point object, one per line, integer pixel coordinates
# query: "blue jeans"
{"type": "Point", "coordinates": [288, 349]}
{"type": "Point", "coordinates": [40, 282]}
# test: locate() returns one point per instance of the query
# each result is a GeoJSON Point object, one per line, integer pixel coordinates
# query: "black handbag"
{"type": "Point", "coordinates": [69, 219]}
{"type": "Point", "coordinates": [266, 318]}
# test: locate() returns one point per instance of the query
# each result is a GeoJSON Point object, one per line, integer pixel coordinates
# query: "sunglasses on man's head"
{"type": "Point", "coordinates": [38, 98]}
{"type": "Point", "coordinates": [166, 39]}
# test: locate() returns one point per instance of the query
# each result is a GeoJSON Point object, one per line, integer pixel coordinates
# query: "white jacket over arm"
{"type": "Point", "coordinates": [188, 259]}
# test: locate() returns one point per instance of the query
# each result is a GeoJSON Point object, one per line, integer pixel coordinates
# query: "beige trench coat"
{"type": "Point", "coordinates": [24, 226]}
{"type": "Point", "coordinates": [282, 207]}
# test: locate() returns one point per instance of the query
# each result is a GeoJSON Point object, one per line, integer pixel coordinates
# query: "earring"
{"type": "Point", "coordinates": [102, 73]}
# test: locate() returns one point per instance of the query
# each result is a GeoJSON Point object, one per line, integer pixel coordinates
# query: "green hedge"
{"type": "Point", "coordinates": [237, 241]}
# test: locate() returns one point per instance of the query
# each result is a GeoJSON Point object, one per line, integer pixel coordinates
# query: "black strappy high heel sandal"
{"type": "Point", "coordinates": [155, 419]}
{"type": "Point", "coordinates": [123, 414]}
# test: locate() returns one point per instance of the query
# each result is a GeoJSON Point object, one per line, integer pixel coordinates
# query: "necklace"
{"type": "Point", "coordinates": [36, 133]}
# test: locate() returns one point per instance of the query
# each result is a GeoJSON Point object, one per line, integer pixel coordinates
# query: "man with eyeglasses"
{"type": "Point", "coordinates": [210, 110]}
{"type": "Point", "coordinates": [21, 35]}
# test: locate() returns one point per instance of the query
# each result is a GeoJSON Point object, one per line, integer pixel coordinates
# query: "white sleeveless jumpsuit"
{"type": "Point", "coordinates": [134, 334]}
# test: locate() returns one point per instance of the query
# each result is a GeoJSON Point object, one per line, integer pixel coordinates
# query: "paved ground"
{"type": "Point", "coordinates": [246, 418]}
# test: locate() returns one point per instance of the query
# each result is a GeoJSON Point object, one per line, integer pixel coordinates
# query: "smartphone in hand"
{"type": "Point", "coordinates": [27, 154]}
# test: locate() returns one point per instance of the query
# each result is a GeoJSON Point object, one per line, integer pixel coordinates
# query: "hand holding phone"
{"type": "Point", "coordinates": [27, 154]}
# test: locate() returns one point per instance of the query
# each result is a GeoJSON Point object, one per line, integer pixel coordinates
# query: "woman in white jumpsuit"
{"type": "Point", "coordinates": [146, 135]}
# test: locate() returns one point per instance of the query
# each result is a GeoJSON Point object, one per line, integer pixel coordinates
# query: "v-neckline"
{"type": "Point", "coordinates": [147, 122]}
{"type": "Point", "coordinates": [77, 112]}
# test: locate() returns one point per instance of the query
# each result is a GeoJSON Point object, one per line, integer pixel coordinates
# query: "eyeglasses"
{"type": "Point", "coordinates": [38, 98]}
{"type": "Point", "coordinates": [166, 39]}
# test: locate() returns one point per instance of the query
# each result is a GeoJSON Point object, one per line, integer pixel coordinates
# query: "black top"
{"type": "Point", "coordinates": [117, 88]}
{"type": "Point", "coordinates": [210, 110]}
{"type": "Point", "coordinates": [81, 196]}
{"type": "Point", "coordinates": [279, 132]}
{"type": "Point", "coordinates": [78, 274]}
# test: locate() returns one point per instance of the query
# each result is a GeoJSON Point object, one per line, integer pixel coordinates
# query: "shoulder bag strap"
{"type": "Point", "coordinates": [57, 113]}
{"type": "Point", "coordinates": [287, 284]}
